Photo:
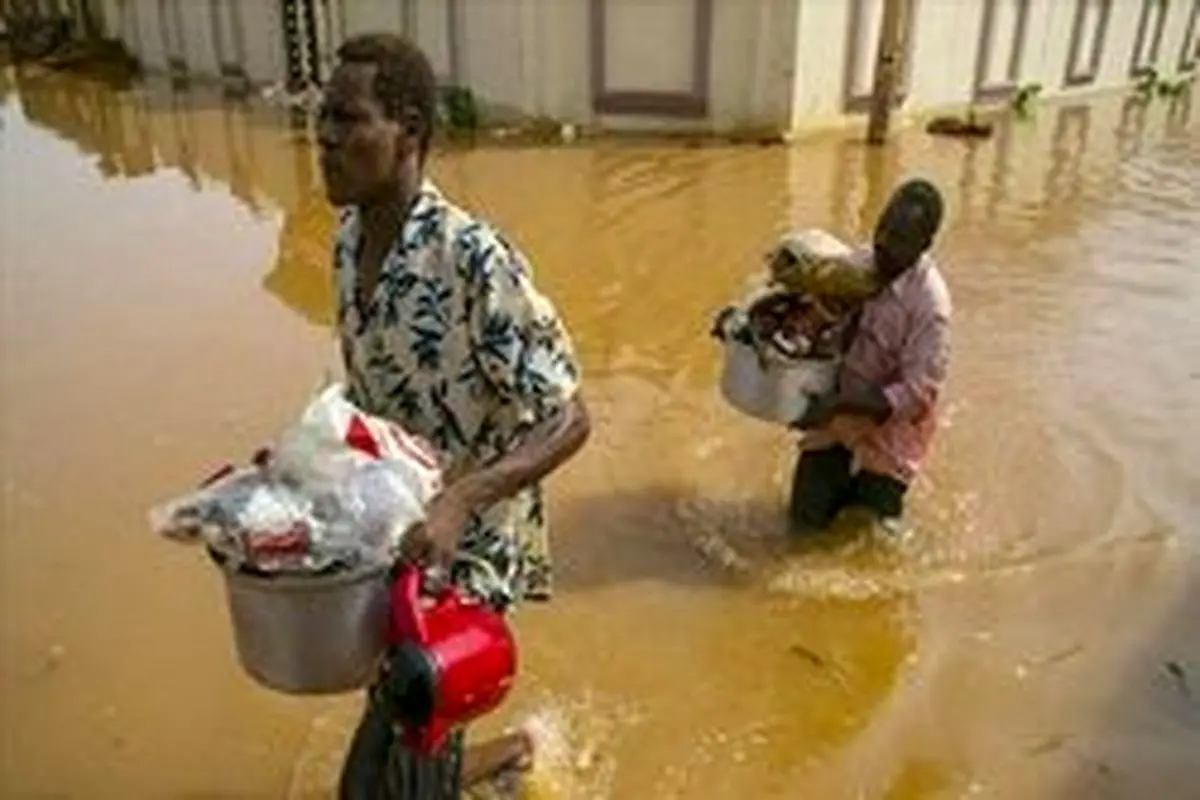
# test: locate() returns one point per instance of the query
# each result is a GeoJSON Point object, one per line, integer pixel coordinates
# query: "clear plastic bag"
{"type": "Point", "coordinates": [340, 491]}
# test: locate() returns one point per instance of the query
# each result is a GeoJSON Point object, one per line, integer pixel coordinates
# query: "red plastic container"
{"type": "Point", "coordinates": [454, 660]}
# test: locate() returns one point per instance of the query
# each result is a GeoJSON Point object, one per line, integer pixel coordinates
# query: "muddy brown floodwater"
{"type": "Point", "coordinates": [166, 306]}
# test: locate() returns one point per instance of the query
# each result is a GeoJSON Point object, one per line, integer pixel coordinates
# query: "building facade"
{"type": "Point", "coordinates": [678, 64]}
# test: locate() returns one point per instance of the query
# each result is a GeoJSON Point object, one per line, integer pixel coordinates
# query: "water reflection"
{"type": "Point", "coordinates": [300, 276]}
{"type": "Point", "coordinates": [691, 652]}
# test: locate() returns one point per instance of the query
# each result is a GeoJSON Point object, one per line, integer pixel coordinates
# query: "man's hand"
{"type": "Point", "coordinates": [870, 403]}
{"type": "Point", "coordinates": [820, 412]}
{"type": "Point", "coordinates": [434, 542]}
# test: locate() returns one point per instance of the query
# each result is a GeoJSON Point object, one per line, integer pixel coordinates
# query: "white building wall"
{"type": "Point", "coordinates": [263, 42]}
{"type": "Point", "coordinates": [821, 45]}
{"type": "Point", "coordinates": [773, 63]}
{"type": "Point", "coordinates": [945, 52]}
{"type": "Point", "coordinates": [753, 62]}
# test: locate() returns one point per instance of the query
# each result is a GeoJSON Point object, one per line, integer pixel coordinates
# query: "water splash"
{"type": "Point", "coordinates": [572, 744]}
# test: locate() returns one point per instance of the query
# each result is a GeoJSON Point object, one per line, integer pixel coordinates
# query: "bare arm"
{"type": "Point", "coordinates": [547, 446]}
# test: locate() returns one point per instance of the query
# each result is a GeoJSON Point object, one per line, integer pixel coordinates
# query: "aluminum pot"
{"type": "Point", "coordinates": [773, 389]}
{"type": "Point", "coordinates": [310, 634]}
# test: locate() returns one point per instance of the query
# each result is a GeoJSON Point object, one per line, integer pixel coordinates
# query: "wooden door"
{"type": "Point", "coordinates": [1189, 52]}
{"type": "Point", "coordinates": [862, 42]}
{"type": "Point", "coordinates": [1147, 43]}
{"type": "Point", "coordinates": [1002, 37]}
{"type": "Point", "coordinates": [1088, 34]}
{"type": "Point", "coordinates": [651, 58]}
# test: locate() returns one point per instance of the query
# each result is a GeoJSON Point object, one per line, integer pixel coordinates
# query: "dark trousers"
{"type": "Point", "coordinates": [824, 485]}
{"type": "Point", "coordinates": [379, 767]}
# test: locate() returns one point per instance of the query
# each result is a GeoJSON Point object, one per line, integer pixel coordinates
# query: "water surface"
{"type": "Point", "coordinates": [166, 306]}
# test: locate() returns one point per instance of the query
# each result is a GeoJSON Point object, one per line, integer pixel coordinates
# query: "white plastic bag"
{"type": "Point", "coordinates": [341, 489]}
{"type": "Point", "coordinates": [333, 436]}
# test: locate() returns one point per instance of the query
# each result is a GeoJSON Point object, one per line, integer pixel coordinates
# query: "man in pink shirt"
{"type": "Point", "coordinates": [865, 443]}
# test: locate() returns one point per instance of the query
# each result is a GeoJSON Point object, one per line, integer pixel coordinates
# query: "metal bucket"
{"type": "Point", "coordinates": [776, 391]}
{"type": "Point", "coordinates": [310, 634]}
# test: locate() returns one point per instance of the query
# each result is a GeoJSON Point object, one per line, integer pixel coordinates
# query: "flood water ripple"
{"type": "Point", "coordinates": [165, 298]}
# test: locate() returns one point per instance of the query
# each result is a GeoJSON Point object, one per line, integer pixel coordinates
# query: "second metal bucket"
{"type": "Point", "coordinates": [774, 391]}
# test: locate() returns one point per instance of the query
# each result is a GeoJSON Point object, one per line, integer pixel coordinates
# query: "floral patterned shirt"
{"type": "Point", "coordinates": [458, 346]}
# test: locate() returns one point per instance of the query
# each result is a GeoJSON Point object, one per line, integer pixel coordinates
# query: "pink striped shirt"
{"type": "Point", "coordinates": [903, 347]}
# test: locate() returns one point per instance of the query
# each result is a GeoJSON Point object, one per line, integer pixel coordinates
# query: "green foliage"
{"type": "Point", "coordinates": [1150, 84]}
{"type": "Point", "coordinates": [458, 110]}
{"type": "Point", "coordinates": [1022, 101]}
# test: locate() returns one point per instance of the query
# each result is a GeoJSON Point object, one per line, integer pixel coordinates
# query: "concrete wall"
{"type": "Point", "coordinates": [428, 22]}
{"type": "Point", "coordinates": [540, 56]}
{"type": "Point", "coordinates": [529, 55]}
{"type": "Point", "coordinates": [754, 61]}
{"type": "Point", "coordinates": [712, 64]}
{"type": "Point", "coordinates": [202, 35]}
{"type": "Point", "coordinates": [536, 56]}
{"type": "Point", "coordinates": [747, 49]}
{"type": "Point", "coordinates": [962, 51]}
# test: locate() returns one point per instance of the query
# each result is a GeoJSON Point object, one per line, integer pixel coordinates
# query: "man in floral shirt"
{"type": "Point", "coordinates": [443, 332]}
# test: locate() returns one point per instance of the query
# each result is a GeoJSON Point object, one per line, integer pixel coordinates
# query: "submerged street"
{"type": "Point", "coordinates": [166, 306]}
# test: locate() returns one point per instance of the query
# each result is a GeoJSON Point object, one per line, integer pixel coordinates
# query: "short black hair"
{"type": "Point", "coordinates": [404, 76]}
{"type": "Point", "coordinates": [921, 206]}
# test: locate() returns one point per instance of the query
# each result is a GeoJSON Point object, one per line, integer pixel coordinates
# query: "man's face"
{"type": "Point", "coordinates": [361, 148]}
{"type": "Point", "coordinates": [900, 238]}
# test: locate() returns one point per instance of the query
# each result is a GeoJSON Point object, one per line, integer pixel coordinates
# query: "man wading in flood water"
{"type": "Point", "coordinates": [864, 444]}
{"type": "Point", "coordinates": [443, 332]}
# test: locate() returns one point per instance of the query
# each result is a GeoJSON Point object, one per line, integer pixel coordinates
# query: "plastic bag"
{"type": "Point", "coordinates": [799, 310]}
{"type": "Point", "coordinates": [333, 436]}
{"type": "Point", "coordinates": [816, 263]}
{"type": "Point", "coordinates": [340, 490]}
